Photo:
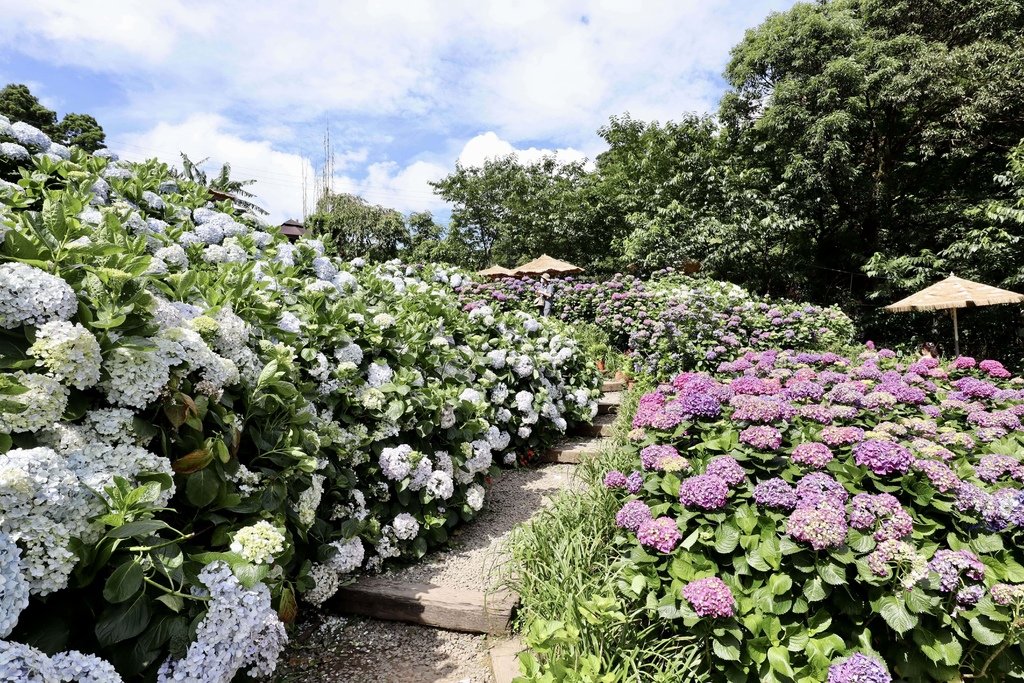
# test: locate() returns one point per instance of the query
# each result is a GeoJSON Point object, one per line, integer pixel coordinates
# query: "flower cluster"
{"type": "Point", "coordinates": [661, 533]}
{"type": "Point", "coordinates": [710, 597]}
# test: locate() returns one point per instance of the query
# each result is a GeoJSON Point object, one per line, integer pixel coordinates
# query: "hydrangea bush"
{"type": "Point", "coordinates": [673, 322]}
{"type": "Point", "coordinates": [203, 424]}
{"type": "Point", "coordinates": [813, 516]}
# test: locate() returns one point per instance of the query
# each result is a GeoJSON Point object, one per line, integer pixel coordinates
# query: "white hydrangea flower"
{"type": "Point", "coordinates": [348, 557]}
{"type": "Point", "coordinates": [30, 136]}
{"type": "Point", "coordinates": [497, 358]}
{"type": "Point", "coordinates": [285, 254]}
{"type": "Point", "coordinates": [13, 586]}
{"type": "Point", "coordinates": [524, 401]}
{"type": "Point", "coordinates": [309, 501]}
{"type": "Point", "coordinates": [523, 366]}
{"type": "Point", "coordinates": [421, 473]}
{"type": "Point", "coordinates": [357, 262]}
{"type": "Point", "coordinates": [240, 630]}
{"type": "Point", "coordinates": [137, 376]}
{"type": "Point", "coordinates": [258, 543]}
{"type": "Point", "coordinates": [324, 268]}
{"type": "Point", "coordinates": [350, 353]}
{"type": "Point", "coordinates": [289, 322]}
{"type": "Point", "coordinates": [45, 402]}
{"type": "Point", "coordinates": [440, 484]}
{"type": "Point", "coordinates": [13, 152]}
{"type": "Point", "coordinates": [112, 172]}
{"type": "Point", "coordinates": [112, 425]}
{"type": "Point", "coordinates": [396, 463]}
{"type": "Point", "coordinates": [345, 281]}
{"type": "Point", "coordinates": [26, 664]}
{"type": "Point", "coordinates": [470, 395]}
{"type": "Point", "coordinates": [42, 507]}
{"type": "Point", "coordinates": [524, 432]}
{"type": "Point", "coordinates": [475, 497]}
{"type": "Point", "coordinates": [326, 583]}
{"type": "Point", "coordinates": [69, 352]}
{"type": "Point", "coordinates": [58, 150]}
{"type": "Point", "coordinates": [384, 320]}
{"type": "Point", "coordinates": [499, 392]}
{"type": "Point", "coordinates": [30, 296]}
{"type": "Point", "coordinates": [498, 439]}
{"type": "Point", "coordinates": [173, 255]}
{"type": "Point", "coordinates": [100, 191]}
{"type": "Point", "coordinates": [405, 526]}
{"type": "Point", "coordinates": [153, 201]}
{"type": "Point", "coordinates": [379, 374]}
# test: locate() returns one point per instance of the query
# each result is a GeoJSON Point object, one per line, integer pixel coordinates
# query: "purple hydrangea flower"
{"type": "Point", "coordinates": [992, 467]}
{"type": "Point", "coordinates": [662, 534]}
{"type": "Point", "coordinates": [700, 405]}
{"type": "Point", "coordinates": [705, 491]}
{"type": "Point", "coordinates": [710, 597]}
{"type": "Point", "coordinates": [632, 515]}
{"type": "Point", "coordinates": [775, 493]}
{"type": "Point", "coordinates": [994, 369]}
{"type": "Point", "coordinates": [939, 474]}
{"type": "Point", "coordinates": [812, 454]}
{"type": "Point", "coordinates": [634, 482]}
{"type": "Point", "coordinates": [842, 436]}
{"type": "Point", "coordinates": [884, 509]}
{"type": "Point", "coordinates": [762, 437]}
{"type": "Point", "coordinates": [858, 669]}
{"type": "Point", "coordinates": [820, 527]}
{"type": "Point", "coordinates": [615, 480]}
{"type": "Point", "coordinates": [819, 488]}
{"type": "Point", "coordinates": [952, 565]}
{"type": "Point", "coordinates": [650, 455]}
{"type": "Point", "coordinates": [883, 457]}
{"type": "Point", "coordinates": [727, 468]}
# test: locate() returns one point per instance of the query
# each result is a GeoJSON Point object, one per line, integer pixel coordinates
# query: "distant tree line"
{"type": "Point", "coordinates": [19, 104]}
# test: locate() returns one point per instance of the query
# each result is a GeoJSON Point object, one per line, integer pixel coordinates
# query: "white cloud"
{"type": "Point", "coordinates": [278, 175]}
{"type": "Point", "coordinates": [489, 146]}
{"type": "Point", "coordinates": [405, 188]}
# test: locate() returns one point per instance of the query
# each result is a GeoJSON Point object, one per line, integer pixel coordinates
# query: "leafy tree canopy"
{"type": "Point", "coordinates": [357, 228]}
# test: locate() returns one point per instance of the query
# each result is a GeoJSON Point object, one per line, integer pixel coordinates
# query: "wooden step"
{"type": "Point", "coordinates": [505, 660]}
{"type": "Point", "coordinates": [603, 425]}
{"type": "Point", "coordinates": [452, 609]}
{"type": "Point", "coordinates": [609, 403]}
{"type": "Point", "coordinates": [611, 385]}
{"type": "Point", "coordinates": [572, 452]}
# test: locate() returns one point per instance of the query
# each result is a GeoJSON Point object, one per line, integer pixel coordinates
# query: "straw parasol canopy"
{"type": "Point", "coordinates": [953, 293]}
{"type": "Point", "coordinates": [546, 264]}
{"type": "Point", "coordinates": [496, 271]}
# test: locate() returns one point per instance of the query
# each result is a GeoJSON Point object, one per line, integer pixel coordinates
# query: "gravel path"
{"type": "Point", "coordinates": [476, 549]}
{"type": "Point", "coordinates": [358, 650]}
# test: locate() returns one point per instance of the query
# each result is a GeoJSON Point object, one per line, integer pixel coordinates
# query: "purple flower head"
{"type": "Point", "coordinates": [727, 468]}
{"type": "Point", "coordinates": [634, 482]}
{"type": "Point", "coordinates": [615, 480]}
{"type": "Point", "coordinates": [1006, 594]}
{"type": "Point", "coordinates": [883, 457]}
{"type": "Point", "coordinates": [804, 389]}
{"type": "Point", "coordinates": [662, 534]}
{"type": "Point", "coordinates": [700, 405]}
{"type": "Point", "coordinates": [994, 369]}
{"type": "Point", "coordinates": [820, 527]}
{"type": "Point", "coordinates": [710, 597]}
{"type": "Point", "coordinates": [763, 438]}
{"type": "Point", "coordinates": [704, 491]}
{"type": "Point", "coordinates": [964, 363]}
{"type": "Point", "coordinates": [650, 455]}
{"type": "Point", "coordinates": [649, 406]}
{"type": "Point", "coordinates": [775, 493]}
{"type": "Point", "coordinates": [841, 436]}
{"type": "Point", "coordinates": [754, 386]}
{"type": "Point", "coordinates": [952, 566]}
{"type": "Point", "coordinates": [632, 515]}
{"type": "Point", "coordinates": [939, 474]}
{"type": "Point", "coordinates": [762, 409]}
{"type": "Point", "coordinates": [859, 668]}
{"type": "Point", "coordinates": [993, 467]}
{"type": "Point", "coordinates": [975, 388]}
{"type": "Point", "coordinates": [812, 454]}
{"type": "Point", "coordinates": [819, 488]}
{"type": "Point", "coordinates": [893, 522]}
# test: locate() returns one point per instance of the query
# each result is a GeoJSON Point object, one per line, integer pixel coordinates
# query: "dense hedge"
{"type": "Point", "coordinates": [673, 322]}
{"type": "Point", "coordinates": [812, 516]}
{"type": "Point", "coordinates": [202, 424]}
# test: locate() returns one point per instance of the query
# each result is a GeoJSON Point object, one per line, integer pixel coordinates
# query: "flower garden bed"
{"type": "Point", "coordinates": [203, 426]}
{"type": "Point", "coordinates": [673, 322]}
{"type": "Point", "coordinates": [809, 516]}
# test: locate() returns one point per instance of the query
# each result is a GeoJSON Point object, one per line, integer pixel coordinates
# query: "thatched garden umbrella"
{"type": "Point", "coordinates": [546, 264]}
{"type": "Point", "coordinates": [951, 294]}
{"type": "Point", "coordinates": [496, 271]}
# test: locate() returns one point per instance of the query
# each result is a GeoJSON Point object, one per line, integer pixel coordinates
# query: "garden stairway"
{"type": "Point", "coordinates": [585, 440]}
{"type": "Point", "coordinates": [435, 594]}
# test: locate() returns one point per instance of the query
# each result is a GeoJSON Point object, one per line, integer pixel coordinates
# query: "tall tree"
{"type": "Point", "coordinates": [222, 182]}
{"type": "Point", "coordinates": [357, 228]}
{"type": "Point", "coordinates": [885, 121]}
{"type": "Point", "coordinates": [19, 104]}
{"type": "Point", "coordinates": [81, 130]}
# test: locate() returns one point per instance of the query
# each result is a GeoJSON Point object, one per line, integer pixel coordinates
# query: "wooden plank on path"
{"type": "Point", "coordinates": [603, 425]}
{"type": "Point", "coordinates": [572, 452]}
{"type": "Point", "coordinates": [609, 403]}
{"type": "Point", "coordinates": [505, 660]}
{"type": "Point", "coordinates": [451, 609]}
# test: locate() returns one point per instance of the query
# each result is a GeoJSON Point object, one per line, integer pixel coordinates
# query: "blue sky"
{"type": "Point", "coordinates": [408, 88]}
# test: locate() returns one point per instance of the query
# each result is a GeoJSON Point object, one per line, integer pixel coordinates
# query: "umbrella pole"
{"type": "Point", "coordinates": [956, 335]}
